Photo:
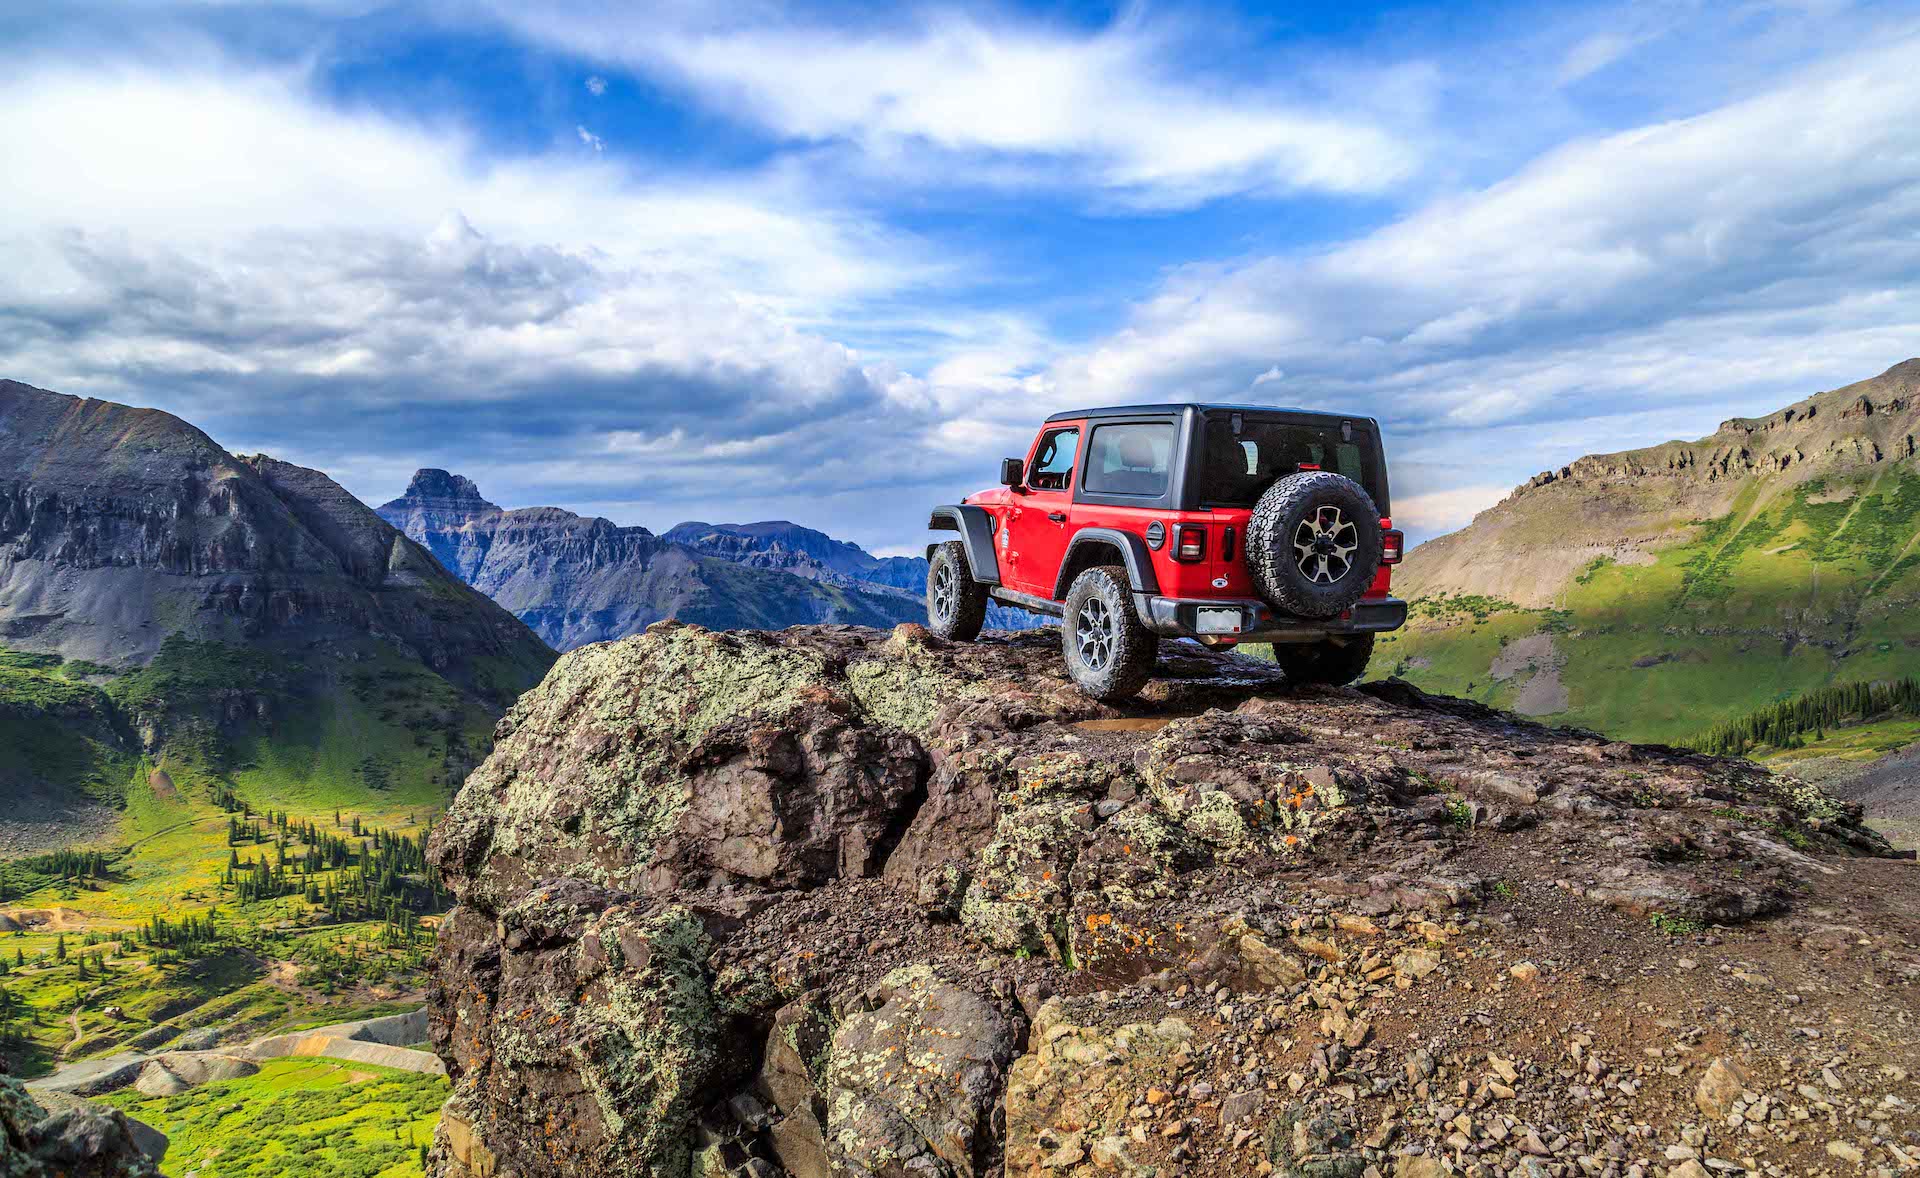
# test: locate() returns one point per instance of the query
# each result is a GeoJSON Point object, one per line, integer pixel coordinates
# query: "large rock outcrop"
{"type": "Point", "coordinates": [52, 1135]}
{"type": "Point", "coordinates": [839, 901]}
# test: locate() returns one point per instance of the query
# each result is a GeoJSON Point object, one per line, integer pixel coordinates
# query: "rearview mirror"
{"type": "Point", "coordinates": [1011, 471]}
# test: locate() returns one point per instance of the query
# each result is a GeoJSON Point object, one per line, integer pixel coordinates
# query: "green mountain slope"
{"type": "Point", "coordinates": [1655, 593]}
{"type": "Point", "coordinates": [240, 623]}
{"type": "Point", "coordinates": [247, 697]}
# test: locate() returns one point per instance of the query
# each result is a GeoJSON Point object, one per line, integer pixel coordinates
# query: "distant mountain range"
{"type": "Point", "coordinates": [1653, 593]}
{"type": "Point", "coordinates": [164, 600]}
{"type": "Point", "coordinates": [578, 579]}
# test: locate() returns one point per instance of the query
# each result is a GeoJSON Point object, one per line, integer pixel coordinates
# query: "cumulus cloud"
{"type": "Point", "coordinates": [225, 246]}
{"type": "Point", "coordinates": [1123, 106]}
{"type": "Point", "coordinates": [1751, 252]}
{"type": "Point", "coordinates": [596, 85]}
{"type": "Point", "coordinates": [590, 139]}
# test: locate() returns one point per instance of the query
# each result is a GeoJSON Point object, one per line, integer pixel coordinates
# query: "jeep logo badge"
{"type": "Point", "coordinates": [1219, 582]}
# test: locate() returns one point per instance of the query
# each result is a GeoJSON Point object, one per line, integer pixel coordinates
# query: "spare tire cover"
{"type": "Point", "coordinates": [1313, 544]}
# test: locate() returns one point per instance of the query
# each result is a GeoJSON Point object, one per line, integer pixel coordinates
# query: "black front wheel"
{"type": "Point", "coordinates": [1110, 655]}
{"type": "Point", "coordinates": [1335, 661]}
{"type": "Point", "coordinates": [956, 603]}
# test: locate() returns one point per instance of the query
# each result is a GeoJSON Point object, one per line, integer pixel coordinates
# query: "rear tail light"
{"type": "Point", "coordinates": [1393, 545]}
{"type": "Point", "coordinates": [1189, 543]}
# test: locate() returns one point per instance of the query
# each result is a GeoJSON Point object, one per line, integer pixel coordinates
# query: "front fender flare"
{"type": "Point", "coordinates": [976, 536]}
{"type": "Point", "coordinates": [1133, 554]}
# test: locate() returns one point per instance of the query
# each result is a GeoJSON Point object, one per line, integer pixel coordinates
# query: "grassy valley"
{"type": "Point", "coordinates": [296, 1118]}
{"type": "Point", "coordinates": [261, 873]}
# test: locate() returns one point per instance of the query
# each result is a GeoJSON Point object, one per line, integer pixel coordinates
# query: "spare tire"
{"type": "Point", "coordinates": [1313, 544]}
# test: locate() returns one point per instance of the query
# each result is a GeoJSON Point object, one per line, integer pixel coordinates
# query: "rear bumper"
{"type": "Point", "coordinates": [1179, 618]}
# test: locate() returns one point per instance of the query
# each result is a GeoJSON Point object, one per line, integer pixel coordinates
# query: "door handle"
{"type": "Point", "coordinates": [1058, 517]}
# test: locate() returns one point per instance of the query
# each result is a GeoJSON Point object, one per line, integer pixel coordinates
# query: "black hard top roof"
{"type": "Point", "coordinates": [1179, 406]}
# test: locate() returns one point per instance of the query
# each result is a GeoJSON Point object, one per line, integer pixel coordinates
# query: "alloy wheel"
{"type": "Point", "coordinates": [945, 592]}
{"type": "Point", "coordinates": [1324, 545]}
{"type": "Point", "coordinates": [1094, 630]}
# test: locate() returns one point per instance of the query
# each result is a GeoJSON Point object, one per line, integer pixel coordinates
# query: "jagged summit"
{"type": "Point", "coordinates": [438, 487]}
{"type": "Point", "coordinates": [840, 902]}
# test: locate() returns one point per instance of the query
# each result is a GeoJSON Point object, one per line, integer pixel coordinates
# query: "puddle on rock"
{"type": "Point", "coordinates": [1128, 724]}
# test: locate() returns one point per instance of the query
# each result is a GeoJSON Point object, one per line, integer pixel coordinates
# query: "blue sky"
{"type": "Point", "coordinates": [829, 262]}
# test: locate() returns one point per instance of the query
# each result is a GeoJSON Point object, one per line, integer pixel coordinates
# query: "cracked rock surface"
{"type": "Point", "coordinates": [834, 901]}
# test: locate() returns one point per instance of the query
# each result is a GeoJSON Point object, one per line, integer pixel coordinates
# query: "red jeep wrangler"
{"type": "Point", "coordinates": [1222, 523]}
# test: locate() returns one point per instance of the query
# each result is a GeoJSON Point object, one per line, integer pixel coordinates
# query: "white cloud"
{"type": "Point", "coordinates": [224, 245]}
{"type": "Point", "coordinates": [1123, 105]}
{"type": "Point", "coordinates": [206, 157]}
{"type": "Point", "coordinates": [1593, 54]}
{"type": "Point", "coordinates": [590, 139]}
{"type": "Point", "coordinates": [1437, 512]}
{"type": "Point", "coordinates": [1747, 252]}
{"type": "Point", "coordinates": [596, 85]}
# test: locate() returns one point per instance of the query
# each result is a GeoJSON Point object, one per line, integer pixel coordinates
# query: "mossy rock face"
{"type": "Point", "coordinates": [1250, 781]}
{"type": "Point", "coordinates": [590, 1043]}
{"type": "Point", "coordinates": [682, 757]}
{"type": "Point", "coordinates": [1087, 1078]}
{"type": "Point", "coordinates": [69, 1138]}
{"type": "Point", "coordinates": [1018, 901]}
{"type": "Point", "coordinates": [917, 1067]}
{"type": "Point", "coordinates": [1125, 873]}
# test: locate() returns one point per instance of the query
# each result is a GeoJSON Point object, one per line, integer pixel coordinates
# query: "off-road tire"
{"type": "Point", "coordinates": [956, 603]}
{"type": "Point", "coordinates": [1109, 654]}
{"type": "Point", "coordinates": [1329, 661]}
{"type": "Point", "coordinates": [1298, 578]}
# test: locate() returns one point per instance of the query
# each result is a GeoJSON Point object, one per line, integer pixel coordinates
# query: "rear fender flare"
{"type": "Point", "coordinates": [975, 526]}
{"type": "Point", "coordinates": [1133, 554]}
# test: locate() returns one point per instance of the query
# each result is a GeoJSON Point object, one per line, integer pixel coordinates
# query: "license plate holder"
{"type": "Point", "coordinates": [1215, 620]}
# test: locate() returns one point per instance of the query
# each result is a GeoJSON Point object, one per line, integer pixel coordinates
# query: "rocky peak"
{"type": "Point", "coordinates": [121, 527]}
{"type": "Point", "coordinates": [1858, 425]}
{"type": "Point", "coordinates": [579, 579]}
{"type": "Point", "coordinates": [835, 901]}
{"type": "Point", "coordinates": [436, 501]}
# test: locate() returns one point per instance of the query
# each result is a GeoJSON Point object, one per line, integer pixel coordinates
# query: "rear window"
{"type": "Point", "coordinates": [1130, 459]}
{"type": "Point", "coordinates": [1237, 468]}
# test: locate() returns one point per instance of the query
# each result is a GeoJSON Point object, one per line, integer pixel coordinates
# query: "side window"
{"type": "Point", "coordinates": [1130, 459]}
{"type": "Point", "coordinates": [1052, 468]}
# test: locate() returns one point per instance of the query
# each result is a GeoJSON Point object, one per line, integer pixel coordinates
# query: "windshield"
{"type": "Point", "coordinates": [1237, 468]}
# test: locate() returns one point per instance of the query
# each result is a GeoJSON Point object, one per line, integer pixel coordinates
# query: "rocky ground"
{"type": "Point", "coordinates": [837, 901]}
{"type": "Point", "coordinates": [54, 1135]}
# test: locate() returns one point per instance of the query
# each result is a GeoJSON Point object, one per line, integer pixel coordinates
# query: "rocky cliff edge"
{"type": "Point", "coordinates": [841, 901]}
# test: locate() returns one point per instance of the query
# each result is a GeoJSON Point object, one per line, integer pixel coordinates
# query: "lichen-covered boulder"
{"type": "Point", "coordinates": [1243, 781]}
{"type": "Point", "coordinates": [917, 1067]}
{"type": "Point", "coordinates": [582, 1042]}
{"type": "Point", "coordinates": [59, 1136]}
{"type": "Point", "coordinates": [682, 757]}
{"type": "Point", "coordinates": [1068, 1098]}
{"type": "Point", "coordinates": [1125, 884]}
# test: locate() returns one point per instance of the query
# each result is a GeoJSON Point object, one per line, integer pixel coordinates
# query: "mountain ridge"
{"type": "Point", "coordinates": [1857, 425]}
{"type": "Point", "coordinates": [1653, 593]}
{"type": "Point", "coordinates": [241, 619]}
{"type": "Point", "coordinates": [581, 579]}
